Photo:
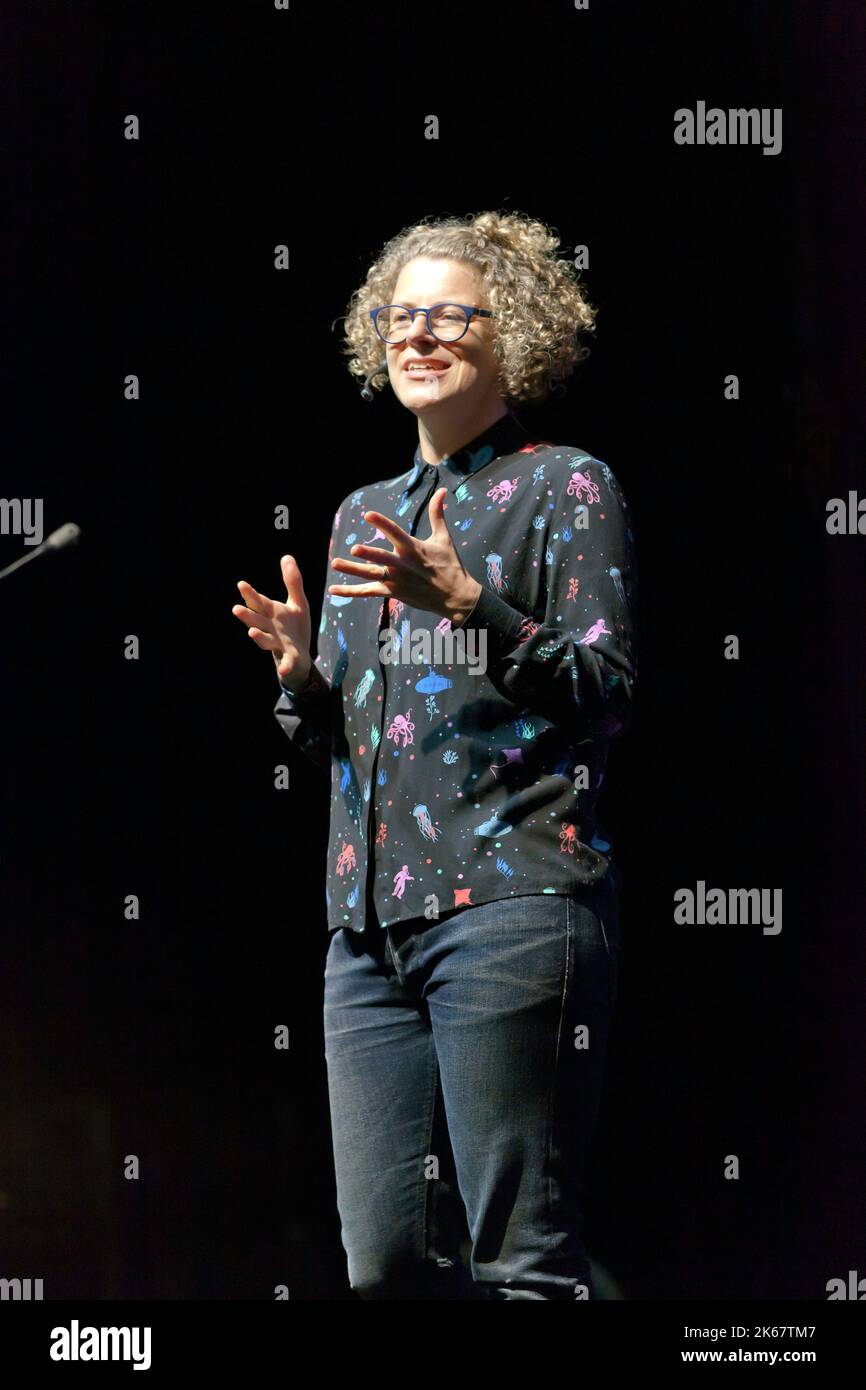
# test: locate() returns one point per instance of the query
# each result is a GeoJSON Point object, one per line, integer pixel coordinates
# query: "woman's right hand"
{"type": "Point", "coordinates": [280, 628]}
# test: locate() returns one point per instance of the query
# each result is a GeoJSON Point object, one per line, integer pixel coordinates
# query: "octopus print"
{"type": "Point", "coordinates": [504, 491]}
{"type": "Point", "coordinates": [401, 726]}
{"type": "Point", "coordinates": [582, 483]}
{"type": "Point", "coordinates": [474, 777]}
{"type": "Point", "coordinates": [346, 860]}
{"type": "Point", "coordinates": [567, 838]}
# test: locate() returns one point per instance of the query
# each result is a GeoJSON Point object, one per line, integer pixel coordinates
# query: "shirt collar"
{"type": "Point", "coordinates": [505, 436]}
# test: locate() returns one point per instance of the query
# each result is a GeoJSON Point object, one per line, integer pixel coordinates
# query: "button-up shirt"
{"type": "Point", "coordinates": [465, 762]}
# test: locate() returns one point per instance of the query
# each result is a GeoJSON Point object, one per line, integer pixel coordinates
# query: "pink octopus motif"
{"type": "Point", "coordinates": [504, 491]}
{"type": "Point", "coordinates": [346, 860]}
{"type": "Point", "coordinates": [580, 483]}
{"type": "Point", "coordinates": [401, 726]}
{"type": "Point", "coordinates": [567, 838]}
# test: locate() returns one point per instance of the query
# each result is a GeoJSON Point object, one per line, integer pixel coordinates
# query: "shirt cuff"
{"type": "Point", "coordinates": [500, 621]}
{"type": "Point", "coordinates": [314, 686]}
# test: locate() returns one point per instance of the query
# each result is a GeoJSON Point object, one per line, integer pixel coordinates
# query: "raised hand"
{"type": "Point", "coordinates": [426, 574]}
{"type": "Point", "coordinates": [280, 628]}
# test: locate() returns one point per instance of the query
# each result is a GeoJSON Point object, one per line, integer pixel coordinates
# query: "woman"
{"type": "Point", "coordinates": [464, 692]}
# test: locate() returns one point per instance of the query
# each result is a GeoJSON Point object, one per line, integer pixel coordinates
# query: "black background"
{"type": "Point", "coordinates": [155, 777]}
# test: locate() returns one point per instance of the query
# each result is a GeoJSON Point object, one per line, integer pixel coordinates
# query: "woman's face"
{"type": "Point", "coordinates": [463, 374]}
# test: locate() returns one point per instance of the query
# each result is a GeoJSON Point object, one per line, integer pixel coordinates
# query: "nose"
{"type": "Point", "coordinates": [419, 328]}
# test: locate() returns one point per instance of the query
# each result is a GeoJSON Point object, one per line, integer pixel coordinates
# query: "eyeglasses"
{"type": "Point", "coordinates": [446, 322]}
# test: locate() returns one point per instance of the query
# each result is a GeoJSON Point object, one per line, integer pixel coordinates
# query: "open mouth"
{"type": "Point", "coordinates": [433, 367]}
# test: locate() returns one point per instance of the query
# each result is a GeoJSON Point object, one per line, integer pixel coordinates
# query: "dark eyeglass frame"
{"type": "Point", "coordinates": [470, 310]}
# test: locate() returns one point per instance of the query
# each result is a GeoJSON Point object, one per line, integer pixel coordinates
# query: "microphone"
{"type": "Point", "coordinates": [366, 389]}
{"type": "Point", "coordinates": [64, 535]}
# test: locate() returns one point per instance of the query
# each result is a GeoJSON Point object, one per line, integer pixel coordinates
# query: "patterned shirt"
{"type": "Point", "coordinates": [466, 761]}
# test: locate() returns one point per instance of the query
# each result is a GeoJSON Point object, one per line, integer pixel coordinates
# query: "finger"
{"type": "Point", "coordinates": [376, 555]}
{"type": "Point", "coordinates": [265, 640]}
{"type": "Point", "coordinates": [357, 567]}
{"type": "Point", "coordinates": [260, 603]}
{"type": "Point", "coordinates": [390, 529]}
{"type": "Point", "coordinates": [359, 590]}
{"type": "Point", "coordinates": [436, 510]}
{"type": "Point", "coordinates": [251, 617]}
{"type": "Point", "coordinates": [294, 583]}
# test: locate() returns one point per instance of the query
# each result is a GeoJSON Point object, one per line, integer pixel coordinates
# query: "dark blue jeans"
{"type": "Point", "coordinates": [483, 1033]}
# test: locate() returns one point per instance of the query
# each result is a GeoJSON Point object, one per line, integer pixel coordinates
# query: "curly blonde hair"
{"type": "Point", "coordinates": [535, 295]}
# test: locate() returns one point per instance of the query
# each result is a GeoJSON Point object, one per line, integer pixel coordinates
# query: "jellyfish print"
{"type": "Point", "coordinates": [346, 773]}
{"type": "Point", "coordinates": [352, 897]}
{"type": "Point", "coordinates": [362, 689]}
{"type": "Point", "coordinates": [341, 640]}
{"type": "Point", "coordinates": [494, 571]}
{"type": "Point", "coordinates": [616, 576]}
{"type": "Point", "coordinates": [424, 823]}
{"type": "Point", "coordinates": [375, 735]}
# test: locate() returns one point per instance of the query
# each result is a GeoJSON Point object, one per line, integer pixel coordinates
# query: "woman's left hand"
{"type": "Point", "coordinates": [423, 574]}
